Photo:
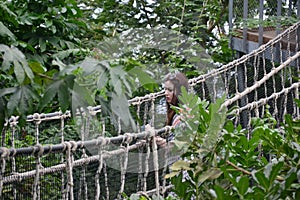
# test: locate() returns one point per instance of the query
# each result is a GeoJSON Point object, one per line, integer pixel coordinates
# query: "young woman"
{"type": "Point", "coordinates": [173, 83]}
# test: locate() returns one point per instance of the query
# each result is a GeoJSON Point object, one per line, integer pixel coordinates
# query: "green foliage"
{"type": "Point", "coordinates": [231, 165]}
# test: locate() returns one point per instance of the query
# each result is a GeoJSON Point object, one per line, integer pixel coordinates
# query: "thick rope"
{"type": "Point", "coordinates": [146, 166]}
{"type": "Point", "coordinates": [106, 180]}
{"type": "Point", "coordinates": [13, 123]}
{"type": "Point", "coordinates": [36, 184]}
{"type": "Point", "coordinates": [155, 161]}
{"type": "Point", "coordinates": [123, 170]}
{"type": "Point", "coordinates": [100, 166]}
{"type": "Point", "coordinates": [166, 155]}
{"type": "Point", "coordinates": [261, 81]}
{"type": "Point", "coordinates": [4, 156]}
{"type": "Point", "coordinates": [69, 169]}
{"type": "Point", "coordinates": [62, 127]}
{"type": "Point", "coordinates": [264, 101]}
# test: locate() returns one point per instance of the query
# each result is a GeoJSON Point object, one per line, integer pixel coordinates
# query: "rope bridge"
{"type": "Point", "coordinates": [98, 166]}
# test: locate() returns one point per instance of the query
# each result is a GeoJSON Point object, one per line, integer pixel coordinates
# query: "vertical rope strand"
{"type": "Point", "coordinates": [119, 126]}
{"type": "Point", "coordinates": [140, 170]}
{"type": "Point", "coordinates": [83, 130]}
{"type": "Point", "coordinates": [124, 169]}
{"type": "Point", "coordinates": [145, 120]}
{"type": "Point", "coordinates": [4, 155]}
{"type": "Point", "coordinates": [100, 166]}
{"type": "Point", "coordinates": [152, 112]}
{"type": "Point", "coordinates": [166, 162]}
{"type": "Point", "coordinates": [106, 180]}
{"type": "Point", "coordinates": [256, 75]}
{"type": "Point", "coordinates": [62, 140]}
{"type": "Point", "coordinates": [296, 107]}
{"type": "Point", "coordinates": [3, 165]}
{"type": "Point", "coordinates": [226, 83]}
{"type": "Point", "coordinates": [155, 162]}
{"type": "Point", "coordinates": [69, 169]}
{"type": "Point", "coordinates": [36, 185]}
{"type": "Point", "coordinates": [13, 124]}
{"type": "Point", "coordinates": [138, 110]}
{"type": "Point", "coordinates": [146, 166]}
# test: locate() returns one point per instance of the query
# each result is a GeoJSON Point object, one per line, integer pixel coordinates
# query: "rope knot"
{"type": "Point", "coordinates": [128, 138]}
{"type": "Point", "coordinates": [4, 152]}
{"type": "Point", "coordinates": [38, 150]}
{"type": "Point", "coordinates": [13, 121]}
{"type": "Point", "coordinates": [67, 114]}
{"type": "Point", "coordinates": [73, 145]}
{"type": "Point", "coordinates": [67, 146]}
{"type": "Point", "coordinates": [37, 118]}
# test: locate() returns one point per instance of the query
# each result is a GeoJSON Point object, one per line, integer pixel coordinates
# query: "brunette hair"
{"type": "Point", "coordinates": [178, 80]}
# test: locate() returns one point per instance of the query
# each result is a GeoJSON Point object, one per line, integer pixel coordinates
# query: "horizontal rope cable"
{"type": "Point", "coordinates": [42, 150]}
{"type": "Point", "coordinates": [62, 167]}
{"type": "Point", "coordinates": [263, 101]}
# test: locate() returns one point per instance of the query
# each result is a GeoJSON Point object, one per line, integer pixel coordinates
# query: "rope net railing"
{"type": "Point", "coordinates": [100, 158]}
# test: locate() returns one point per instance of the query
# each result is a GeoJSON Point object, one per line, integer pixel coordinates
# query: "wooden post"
{"type": "Point", "coordinates": [245, 28]}
{"type": "Point", "coordinates": [261, 19]}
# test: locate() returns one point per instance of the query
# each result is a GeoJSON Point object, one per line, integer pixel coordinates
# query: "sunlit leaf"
{"type": "Point", "coordinates": [180, 165]}
{"type": "Point", "coordinates": [211, 174]}
{"type": "Point", "coordinates": [171, 174]}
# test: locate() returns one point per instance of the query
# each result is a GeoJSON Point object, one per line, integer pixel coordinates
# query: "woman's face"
{"type": "Point", "coordinates": [169, 91]}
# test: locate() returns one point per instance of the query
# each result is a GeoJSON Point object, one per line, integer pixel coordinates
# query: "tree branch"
{"type": "Point", "coordinates": [238, 168]}
{"type": "Point", "coordinates": [278, 178]}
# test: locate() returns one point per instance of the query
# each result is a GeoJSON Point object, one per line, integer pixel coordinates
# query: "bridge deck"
{"type": "Point", "coordinates": [288, 43]}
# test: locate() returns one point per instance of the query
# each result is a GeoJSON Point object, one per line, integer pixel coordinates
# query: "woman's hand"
{"type": "Point", "coordinates": [148, 127]}
{"type": "Point", "coordinates": [160, 141]}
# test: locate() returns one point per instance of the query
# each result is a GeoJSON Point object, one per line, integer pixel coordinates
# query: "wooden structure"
{"type": "Point", "coordinates": [245, 39]}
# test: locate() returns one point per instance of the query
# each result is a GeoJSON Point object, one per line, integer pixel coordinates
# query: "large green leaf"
{"type": "Point", "coordinates": [81, 97]}
{"type": "Point", "coordinates": [50, 93]}
{"type": "Point", "coordinates": [6, 91]}
{"type": "Point", "coordinates": [13, 57]}
{"type": "Point", "coordinates": [120, 107]}
{"type": "Point", "coordinates": [62, 89]}
{"type": "Point", "coordinates": [117, 75]}
{"type": "Point", "coordinates": [145, 80]}
{"type": "Point", "coordinates": [22, 100]}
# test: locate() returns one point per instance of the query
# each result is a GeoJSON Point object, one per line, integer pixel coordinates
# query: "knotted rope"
{"type": "Point", "coordinates": [4, 156]}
